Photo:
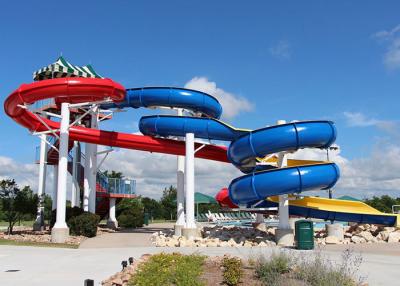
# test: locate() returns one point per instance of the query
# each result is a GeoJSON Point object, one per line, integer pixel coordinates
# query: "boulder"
{"type": "Point", "coordinates": [366, 235]}
{"type": "Point", "coordinates": [394, 237]}
{"type": "Point", "coordinates": [332, 240]}
{"type": "Point", "coordinates": [358, 239]}
{"type": "Point", "coordinates": [383, 235]}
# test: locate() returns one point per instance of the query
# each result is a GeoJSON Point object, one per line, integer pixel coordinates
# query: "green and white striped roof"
{"type": "Point", "coordinates": [62, 68]}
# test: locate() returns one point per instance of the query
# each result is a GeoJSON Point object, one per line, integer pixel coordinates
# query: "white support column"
{"type": "Point", "coordinates": [93, 166]}
{"type": "Point", "coordinates": [60, 230]}
{"type": "Point", "coordinates": [180, 186]}
{"type": "Point", "coordinates": [75, 184]}
{"type": "Point", "coordinates": [86, 179]}
{"type": "Point", "coordinates": [55, 183]}
{"type": "Point", "coordinates": [39, 222]}
{"type": "Point", "coordinates": [78, 174]}
{"type": "Point", "coordinates": [190, 231]}
{"type": "Point", "coordinates": [284, 234]}
{"type": "Point", "coordinates": [112, 220]}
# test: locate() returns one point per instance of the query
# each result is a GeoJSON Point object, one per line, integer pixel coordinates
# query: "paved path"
{"type": "Point", "coordinates": [68, 267]}
{"type": "Point", "coordinates": [126, 238]}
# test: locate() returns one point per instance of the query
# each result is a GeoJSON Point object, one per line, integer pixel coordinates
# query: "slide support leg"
{"type": "Point", "coordinates": [55, 183]}
{"type": "Point", "coordinates": [180, 186]}
{"type": "Point", "coordinates": [39, 221]}
{"type": "Point", "coordinates": [60, 231]}
{"type": "Point", "coordinates": [190, 231]}
{"type": "Point", "coordinates": [284, 234]}
{"type": "Point", "coordinates": [75, 184]}
{"type": "Point", "coordinates": [112, 220]}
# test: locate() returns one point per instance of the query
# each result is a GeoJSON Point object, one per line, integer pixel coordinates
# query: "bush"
{"type": "Point", "coordinates": [130, 213]}
{"type": "Point", "coordinates": [84, 224]}
{"type": "Point", "coordinates": [270, 271]}
{"type": "Point", "coordinates": [170, 269]}
{"type": "Point", "coordinates": [131, 218]}
{"type": "Point", "coordinates": [233, 271]}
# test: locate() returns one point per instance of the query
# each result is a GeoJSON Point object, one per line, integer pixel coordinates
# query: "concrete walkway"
{"type": "Point", "coordinates": [126, 238]}
{"type": "Point", "coordinates": [51, 266]}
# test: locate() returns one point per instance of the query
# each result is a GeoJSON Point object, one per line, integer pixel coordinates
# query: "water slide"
{"type": "Point", "coordinates": [246, 150]}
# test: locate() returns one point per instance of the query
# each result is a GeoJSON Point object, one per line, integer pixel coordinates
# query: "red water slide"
{"type": "Point", "coordinates": [78, 90]}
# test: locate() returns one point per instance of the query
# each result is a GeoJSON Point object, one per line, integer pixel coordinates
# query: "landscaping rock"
{"type": "Point", "coordinates": [394, 237]}
{"type": "Point", "coordinates": [332, 240]}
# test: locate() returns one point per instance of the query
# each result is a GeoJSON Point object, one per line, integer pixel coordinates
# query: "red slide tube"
{"type": "Point", "coordinates": [77, 90]}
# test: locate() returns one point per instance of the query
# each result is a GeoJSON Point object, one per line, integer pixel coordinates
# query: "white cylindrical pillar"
{"type": "Point", "coordinates": [112, 220]}
{"type": "Point", "coordinates": [75, 184]}
{"type": "Point", "coordinates": [284, 235]}
{"type": "Point", "coordinates": [60, 229]}
{"type": "Point", "coordinates": [55, 183]}
{"type": "Point", "coordinates": [112, 209]}
{"type": "Point", "coordinates": [180, 190]}
{"type": "Point", "coordinates": [93, 166]}
{"type": "Point", "coordinates": [189, 180]}
{"type": "Point", "coordinates": [86, 178]}
{"type": "Point", "coordinates": [39, 222]}
{"type": "Point", "coordinates": [283, 209]}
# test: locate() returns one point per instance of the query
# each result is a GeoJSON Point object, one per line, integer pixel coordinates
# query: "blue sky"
{"type": "Point", "coordinates": [290, 60]}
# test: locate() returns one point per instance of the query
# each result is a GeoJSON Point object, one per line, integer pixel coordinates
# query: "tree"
{"type": "Point", "coordinates": [130, 213]}
{"type": "Point", "coordinates": [47, 204]}
{"type": "Point", "coordinates": [168, 203]}
{"type": "Point", "coordinates": [152, 207]}
{"type": "Point", "coordinates": [16, 202]}
{"type": "Point", "coordinates": [383, 203]}
{"type": "Point", "coordinates": [113, 174]}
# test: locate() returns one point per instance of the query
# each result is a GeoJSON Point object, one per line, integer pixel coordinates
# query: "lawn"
{"type": "Point", "coordinates": [39, 244]}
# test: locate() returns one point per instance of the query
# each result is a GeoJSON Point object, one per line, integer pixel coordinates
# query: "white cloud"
{"type": "Point", "coordinates": [23, 174]}
{"type": "Point", "coordinates": [358, 119]}
{"type": "Point", "coordinates": [376, 174]}
{"type": "Point", "coordinates": [391, 58]}
{"type": "Point", "coordinates": [281, 50]}
{"type": "Point", "coordinates": [232, 104]}
{"type": "Point", "coordinates": [153, 172]}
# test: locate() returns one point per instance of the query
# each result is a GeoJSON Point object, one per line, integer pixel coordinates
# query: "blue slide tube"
{"type": "Point", "coordinates": [245, 145]}
{"type": "Point", "coordinates": [260, 185]}
{"type": "Point", "coordinates": [205, 128]}
{"type": "Point", "coordinates": [193, 100]}
{"type": "Point", "coordinates": [286, 137]}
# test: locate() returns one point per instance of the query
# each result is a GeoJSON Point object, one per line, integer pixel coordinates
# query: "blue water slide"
{"type": "Point", "coordinates": [245, 145]}
{"type": "Point", "coordinates": [286, 137]}
{"type": "Point", "coordinates": [205, 128]}
{"type": "Point", "coordinates": [260, 185]}
{"type": "Point", "coordinates": [193, 100]}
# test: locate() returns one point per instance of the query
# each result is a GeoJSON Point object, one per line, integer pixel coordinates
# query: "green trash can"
{"type": "Point", "coordinates": [146, 218]}
{"type": "Point", "coordinates": [304, 234]}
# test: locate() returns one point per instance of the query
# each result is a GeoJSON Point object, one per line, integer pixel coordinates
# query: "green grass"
{"type": "Point", "coordinates": [161, 220]}
{"type": "Point", "coordinates": [23, 223]}
{"type": "Point", "coordinates": [170, 269]}
{"type": "Point", "coordinates": [38, 244]}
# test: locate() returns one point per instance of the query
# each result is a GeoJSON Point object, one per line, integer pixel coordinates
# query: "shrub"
{"type": "Point", "coordinates": [170, 269]}
{"type": "Point", "coordinates": [84, 224]}
{"type": "Point", "coordinates": [232, 272]}
{"type": "Point", "coordinates": [270, 271]}
{"type": "Point", "coordinates": [131, 218]}
{"type": "Point", "coordinates": [322, 272]}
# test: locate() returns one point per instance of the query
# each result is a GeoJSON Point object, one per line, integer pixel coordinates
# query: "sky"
{"type": "Point", "coordinates": [264, 61]}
